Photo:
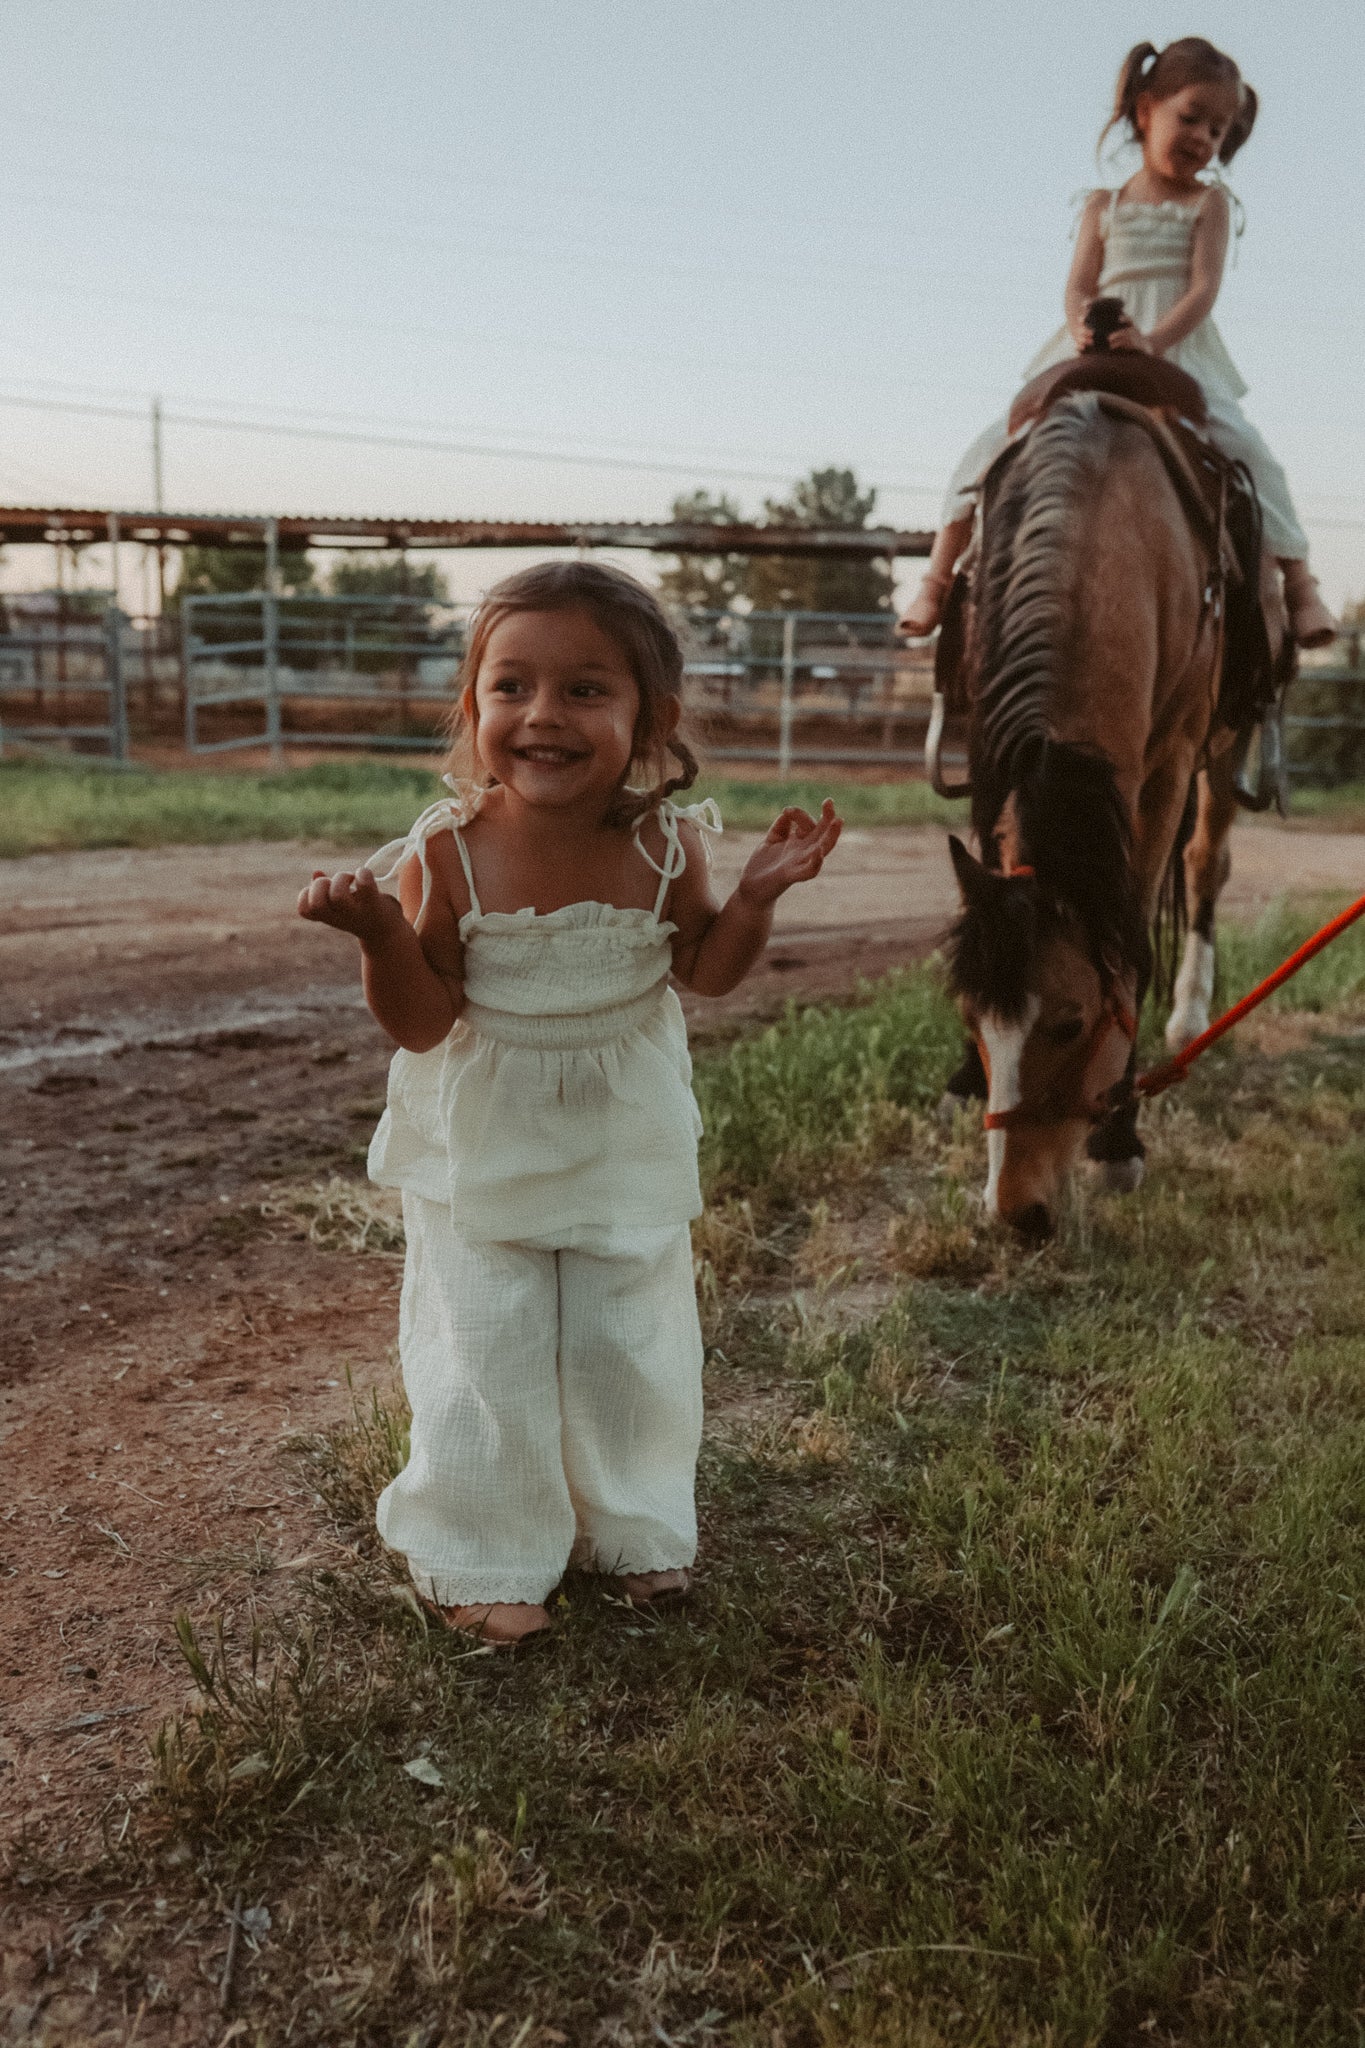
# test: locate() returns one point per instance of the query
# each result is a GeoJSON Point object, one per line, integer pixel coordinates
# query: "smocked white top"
{"type": "Point", "coordinates": [562, 1097]}
{"type": "Point", "coordinates": [1147, 247]}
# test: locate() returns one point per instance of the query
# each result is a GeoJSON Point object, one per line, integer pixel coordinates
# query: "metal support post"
{"type": "Point", "coordinates": [270, 621]}
{"type": "Point", "coordinates": [787, 707]}
{"type": "Point", "coordinates": [186, 644]}
{"type": "Point", "coordinates": [113, 633]}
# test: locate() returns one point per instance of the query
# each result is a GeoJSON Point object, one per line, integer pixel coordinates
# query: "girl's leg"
{"type": "Point", "coordinates": [925, 608]}
{"type": "Point", "coordinates": [481, 1509]}
{"type": "Point", "coordinates": [1230, 429]}
{"type": "Point", "coordinates": [955, 531]}
{"type": "Point", "coordinates": [630, 1373]}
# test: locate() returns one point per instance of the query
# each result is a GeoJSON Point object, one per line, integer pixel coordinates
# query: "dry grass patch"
{"type": "Point", "coordinates": [340, 1215]}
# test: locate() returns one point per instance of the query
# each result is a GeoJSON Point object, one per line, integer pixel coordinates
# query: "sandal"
{"type": "Point", "coordinates": [497, 1625]}
{"type": "Point", "coordinates": [656, 1589]}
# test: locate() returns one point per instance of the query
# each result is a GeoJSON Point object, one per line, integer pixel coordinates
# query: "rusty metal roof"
{"type": "Point", "coordinates": [78, 526]}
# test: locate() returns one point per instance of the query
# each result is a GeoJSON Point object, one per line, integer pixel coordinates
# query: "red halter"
{"type": "Point", "coordinates": [1056, 1106]}
{"type": "Point", "coordinates": [1066, 1100]}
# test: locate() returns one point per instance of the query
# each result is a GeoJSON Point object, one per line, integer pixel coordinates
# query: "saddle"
{"type": "Point", "coordinates": [1144, 380]}
{"type": "Point", "coordinates": [1220, 502]}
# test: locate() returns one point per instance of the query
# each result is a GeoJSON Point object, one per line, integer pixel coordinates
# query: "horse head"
{"type": "Point", "coordinates": [1051, 1012]}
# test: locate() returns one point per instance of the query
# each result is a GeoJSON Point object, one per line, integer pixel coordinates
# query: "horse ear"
{"type": "Point", "coordinates": [972, 878]}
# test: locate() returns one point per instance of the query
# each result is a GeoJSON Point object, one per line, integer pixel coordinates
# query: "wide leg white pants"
{"type": "Point", "coordinates": [556, 1408]}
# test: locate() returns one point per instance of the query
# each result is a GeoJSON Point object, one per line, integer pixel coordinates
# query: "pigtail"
{"type": "Point", "coordinates": [1243, 121]}
{"type": "Point", "coordinates": [630, 805]}
{"type": "Point", "coordinates": [691, 769]}
{"type": "Point", "coordinates": [1132, 79]}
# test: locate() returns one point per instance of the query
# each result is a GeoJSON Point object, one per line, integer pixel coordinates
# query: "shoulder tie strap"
{"type": "Point", "coordinates": [705, 816]}
{"type": "Point", "coordinates": [465, 862]}
{"type": "Point", "coordinates": [448, 814]}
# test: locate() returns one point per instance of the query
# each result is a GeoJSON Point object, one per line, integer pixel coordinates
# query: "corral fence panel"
{"type": "Point", "coordinates": [317, 671]}
{"type": "Point", "coordinates": [62, 681]}
{"type": "Point", "coordinates": [1325, 714]}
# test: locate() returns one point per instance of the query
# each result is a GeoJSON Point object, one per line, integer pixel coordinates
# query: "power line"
{"type": "Point", "coordinates": [369, 439]}
{"type": "Point", "coordinates": [321, 416]}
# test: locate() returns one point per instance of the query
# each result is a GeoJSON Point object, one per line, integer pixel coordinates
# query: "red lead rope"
{"type": "Point", "coordinates": [1171, 1071]}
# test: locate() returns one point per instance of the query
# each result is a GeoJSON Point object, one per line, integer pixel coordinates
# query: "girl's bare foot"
{"type": "Point", "coordinates": [1309, 619]}
{"type": "Point", "coordinates": [925, 609]}
{"type": "Point", "coordinates": [503, 1625]}
{"type": "Point", "coordinates": [645, 1589]}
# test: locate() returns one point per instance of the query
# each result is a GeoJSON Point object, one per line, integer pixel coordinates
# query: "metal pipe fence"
{"type": "Point", "coordinates": [48, 669]}
{"type": "Point", "coordinates": [1325, 714]}
{"type": "Point", "coordinates": [781, 687]}
{"type": "Point", "coordinates": [264, 670]}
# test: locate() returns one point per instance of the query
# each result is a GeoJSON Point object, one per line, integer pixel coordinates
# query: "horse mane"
{"type": "Point", "coordinates": [1072, 821]}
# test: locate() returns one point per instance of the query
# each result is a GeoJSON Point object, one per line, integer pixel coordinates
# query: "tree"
{"type": "Point", "coordinates": [230, 571]}
{"type": "Point", "coordinates": [827, 497]}
{"type": "Point", "coordinates": [708, 583]}
{"type": "Point", "coordinates": [367, 575]}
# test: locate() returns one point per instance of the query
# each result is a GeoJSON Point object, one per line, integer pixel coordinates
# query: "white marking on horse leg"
{"type": "Point", "coordinates": [1119, 1176]}
{"type": "Point", "coordinates": [1004, 1045]}
{"type": "Point", "coordinates": [1193, 993]}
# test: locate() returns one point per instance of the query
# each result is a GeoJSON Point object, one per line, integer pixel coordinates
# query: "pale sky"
{"type": "Point", "coordinates": [627, 250]}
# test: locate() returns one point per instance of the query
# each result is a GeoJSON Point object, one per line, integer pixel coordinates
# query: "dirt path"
{"type": "Point", "coordinates": [173, 1042]}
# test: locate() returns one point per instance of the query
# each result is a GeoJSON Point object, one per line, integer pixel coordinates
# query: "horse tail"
{"type": "Point", "coordinates": [1172, 911]}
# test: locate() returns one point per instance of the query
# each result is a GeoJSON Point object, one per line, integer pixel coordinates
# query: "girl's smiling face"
{"type": "Point", "coordinates": [1182, 134]}
{"type": "Point", "coordinates": [554, 710]}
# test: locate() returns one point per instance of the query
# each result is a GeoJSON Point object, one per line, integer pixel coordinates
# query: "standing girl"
{"type": "Point", "coordinates": [1158, 243]}
{"type": "Point", "coordinates": [540, 1119]}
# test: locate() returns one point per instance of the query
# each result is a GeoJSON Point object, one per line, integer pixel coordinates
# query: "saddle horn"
{"type": "Point", "coordinates": [1104, 320]}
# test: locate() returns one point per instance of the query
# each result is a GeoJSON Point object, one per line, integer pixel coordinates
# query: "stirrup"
{"type": "Point", "coordinates": [933, 753]}
{"type": "Point", "coordinates": [1267, 784]}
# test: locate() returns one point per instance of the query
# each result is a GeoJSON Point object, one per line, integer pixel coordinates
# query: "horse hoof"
{"type": "Point", "coordinates": [1184, 1026]}
{"type": "Point", "coordinates": [1119, 1176]}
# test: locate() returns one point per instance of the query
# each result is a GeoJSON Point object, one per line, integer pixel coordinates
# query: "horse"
{"type": "Point", "coordinates": [1096, 766]}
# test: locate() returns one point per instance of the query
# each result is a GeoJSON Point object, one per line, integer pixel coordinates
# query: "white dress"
{"type": "Point", "coordinates": [548, 1333]}
{"type": "Point", "coordinates": [1147, 255]}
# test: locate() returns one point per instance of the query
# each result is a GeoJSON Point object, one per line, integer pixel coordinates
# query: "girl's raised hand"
{"type": "Point", "coordinates": [350, 903]}
{"type": "Point", "coordinates": [795, 850]}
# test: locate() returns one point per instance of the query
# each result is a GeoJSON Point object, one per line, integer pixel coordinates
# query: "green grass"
{"type": "Point", "coordinates": [51, 806]}
{"type": "Point", "coordinates": [1343, 804]}
{"type": "Point", "coordinates": [756, 804]}
{"type": "Point", "coordinates": [1248, 953]}
{"type": "Point", "coordinates": [1019, 1702]}
{"type": "Point", "coordinates": [48, 807]}
{"type": "Point", "coordinates": [825, 1089]}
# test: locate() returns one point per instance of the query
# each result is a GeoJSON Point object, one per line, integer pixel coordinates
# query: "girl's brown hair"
{"type": "Point", "coordinates": [1190, 61]}
{"type": "Point", "coordinates": [633, 617]}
